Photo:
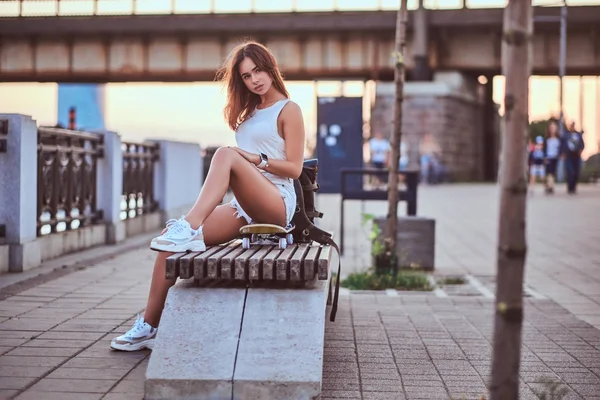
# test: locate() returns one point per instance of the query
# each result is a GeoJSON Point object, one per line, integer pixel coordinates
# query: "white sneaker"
{"type": "Point", "coordinates": [140, 336]}
{"type": "Point", "coordinates": [179, 237]}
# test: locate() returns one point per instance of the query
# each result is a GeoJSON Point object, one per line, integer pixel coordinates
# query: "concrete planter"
{"type": "Point", "coordinates": [416, 242]}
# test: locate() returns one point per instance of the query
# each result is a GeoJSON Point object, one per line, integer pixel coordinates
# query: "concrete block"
{"type": "Point", "coordinates": [57, 244]}
{"type": "Point", "coordinates": [416, 241]}
{"type": "Point", "coordinates": [195, 348]}
{"type": "Point", "coordinates": [115, 233]}
{"type": "Point", "coordinates": [23, 257]}
{"type": "Point", "coordinates": [281, 349]}
{"type": "Point", "coordinates": [4, 257]}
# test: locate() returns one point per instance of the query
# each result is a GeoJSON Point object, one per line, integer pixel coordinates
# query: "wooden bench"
{"type": "Point", "coordinates": [230, 262]}
{"type": "Point", "coordinates": [243, 324]}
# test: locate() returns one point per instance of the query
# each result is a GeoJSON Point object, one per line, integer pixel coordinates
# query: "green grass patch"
{"type": "Point", "coordinates": [403, 280]}
{"type": "Point", "coordinates": [453, 280]}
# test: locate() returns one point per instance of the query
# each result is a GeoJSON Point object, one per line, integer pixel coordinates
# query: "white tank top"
{"type": "Point", "coordinates": [259, 134]}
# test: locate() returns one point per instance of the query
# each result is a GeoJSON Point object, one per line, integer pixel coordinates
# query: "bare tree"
{"type": "Point", "coordinates": [512, 246]}
{"type": "Point", "coordinates": [396, 137]}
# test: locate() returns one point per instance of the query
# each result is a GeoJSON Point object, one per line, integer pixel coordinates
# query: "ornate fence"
{"type": "Point", "coordinates": [67, 170]}
{"type": "Point", "coordinates": [138, 179]}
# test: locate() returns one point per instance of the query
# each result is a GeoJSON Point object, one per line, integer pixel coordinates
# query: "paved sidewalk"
{"type": "Point", "coordinates": [563, 234]}
{"type": "Point", "coordinates": [54, 337]}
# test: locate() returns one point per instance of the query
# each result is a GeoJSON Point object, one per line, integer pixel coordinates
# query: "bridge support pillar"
{"type": "Point", "coordinates": [448, 110]}
{"type": "Point", "coordinates": [422, 70]}
{"type": "Point", "coordinates": [490, 132]}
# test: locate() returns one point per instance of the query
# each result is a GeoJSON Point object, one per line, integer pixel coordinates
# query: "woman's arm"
{"type": "Point", "coordinates": [293, 134]}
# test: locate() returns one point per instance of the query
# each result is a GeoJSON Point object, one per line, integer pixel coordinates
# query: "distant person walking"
{"type": "Point", "coordinates": [572, 147]}
{"type": "Point", "coordinates": [536, 162]}
{"type": "Point", "coordinates": [430, 152]}
{"type": "Point", "coordinates": [552, 146]}
{"type": "Point", "coordinates": [380, 148]}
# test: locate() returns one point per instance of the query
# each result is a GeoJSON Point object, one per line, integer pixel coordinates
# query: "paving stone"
{"type": "Point", "coordinates": [43, 351]}
{"type": "Point", "coordinates": [382, 396]}
{"type": "Point", "coordinates": [74, 385]}
{"type": "Point", "coordinates": [57, 343]}
{"type": "Point", "coordinates": [7, 394]}
{"type": "Point", "coordinates": [96, 363]}
{"type": "Point", "coordinates": [29, 361]}
{"type": "Point", "coordinates": [34, 395]}
{"type": "Point", "coordinates": [15, 383]}
{"type": "Point", "coordinates": [24, 371]}
{"type": "Point", "coordinates": [89, 373]}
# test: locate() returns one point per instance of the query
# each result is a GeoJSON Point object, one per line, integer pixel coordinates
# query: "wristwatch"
{"type": "Point", "coordinates": [264, 161]}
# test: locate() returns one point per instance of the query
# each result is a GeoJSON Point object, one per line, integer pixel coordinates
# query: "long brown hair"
{"type": "Point", "coordinates": [241, 102]}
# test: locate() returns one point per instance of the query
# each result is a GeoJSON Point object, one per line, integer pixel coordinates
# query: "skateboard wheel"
{"type": "Point", "coordinates": [254, 238]}
{"type": "Point", "coordinates": [245, 243]}
{"type": "Point", "coordinates": [290, 238]}
{"type": "Point", "coordinates": [282, 243]}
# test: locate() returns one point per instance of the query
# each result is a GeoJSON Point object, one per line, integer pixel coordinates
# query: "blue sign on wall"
{"type": "Point", "coordinates": [88, 101]}
{"type": "Point", "coordinates": [339, 141]}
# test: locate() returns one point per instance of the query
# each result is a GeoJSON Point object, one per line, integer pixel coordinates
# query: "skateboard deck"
{"type": "Point", "coordinates": [253, 232]}
{"type": "Point", "coordinates": [264, 229]}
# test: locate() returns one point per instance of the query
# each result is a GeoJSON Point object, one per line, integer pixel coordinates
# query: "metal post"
{"type": "Point", "coordinates": [563, 61]}
{"type": "Point", "coordinates": [581, 101]}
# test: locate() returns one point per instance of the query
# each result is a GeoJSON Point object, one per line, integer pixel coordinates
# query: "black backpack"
{"type": "Point", "coordinates": [305, 230]}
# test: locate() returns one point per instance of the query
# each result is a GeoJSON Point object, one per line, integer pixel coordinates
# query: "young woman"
{"type": "Point", "coordinates": [269, 132]}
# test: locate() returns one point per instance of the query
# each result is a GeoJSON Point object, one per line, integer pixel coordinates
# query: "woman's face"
{"type": "Point", "coordinates": [257, 81]}
{"type": "Point", "coordinates": [552, 129]}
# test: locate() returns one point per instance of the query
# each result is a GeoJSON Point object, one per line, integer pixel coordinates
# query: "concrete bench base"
{"type": "Point", "coordinates": [240, 343]}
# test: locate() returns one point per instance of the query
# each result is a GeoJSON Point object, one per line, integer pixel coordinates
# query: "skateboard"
{"type": "Point", "coordinates": [251, 233]}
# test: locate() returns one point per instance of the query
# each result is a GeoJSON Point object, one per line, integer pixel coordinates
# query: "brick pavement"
{"type": "Point", "coordinates": [563, 233]}
{"type": "Point", "coordinates": [54, 337]}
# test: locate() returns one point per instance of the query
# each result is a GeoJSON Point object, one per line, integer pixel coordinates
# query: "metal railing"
{"type": "Point", "coordinates": [66, 181]}
{"type": "Point", "coordinates": [138, 179]}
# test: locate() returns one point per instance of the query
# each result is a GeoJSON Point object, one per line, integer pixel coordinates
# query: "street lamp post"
{"type": "Point", "coordinates": [563, 61]}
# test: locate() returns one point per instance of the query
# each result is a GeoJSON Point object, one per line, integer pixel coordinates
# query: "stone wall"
{"type": "Point", "coordinates": [450, 109]}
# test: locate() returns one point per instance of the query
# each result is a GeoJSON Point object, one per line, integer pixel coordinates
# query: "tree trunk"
{"type": "Point", "coordinates": [396, 137]}
{"type": "Point", "coordinates": [512, 246]}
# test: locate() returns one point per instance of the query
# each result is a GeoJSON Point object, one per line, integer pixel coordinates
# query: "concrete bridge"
{"type": "Point", "coordinates": [323, 45]}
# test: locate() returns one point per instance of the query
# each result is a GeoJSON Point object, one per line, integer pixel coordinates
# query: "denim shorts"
{"type": "Point", "coordinates": [288, 194]}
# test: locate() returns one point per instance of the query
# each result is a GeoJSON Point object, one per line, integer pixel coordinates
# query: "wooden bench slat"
{"type": "Point", "coordinates": [213, 263]}
{"type": "Point", "coordinates": [255, 263]}
{"type": "Point", "coordinates": [241, 263]}
{"type": "Point", "coordinates": [172, 267]}
{"type": "Point", "coordinates": [200, 261]}
{"type": "Point", "coordinates": [228, 263]}
{"type": "Point", "coordinates": [283, 262]}
{"type": "Point", "coordinates": [323, 262]}
{"type": "Point", "coordinates": [186, 265]}
{"type": "Point", "coordinates": [309, 262]}
{"type": "Point", "coordinates": [296, 262]}
{"type": "Point", "coordinates": [268, 263]}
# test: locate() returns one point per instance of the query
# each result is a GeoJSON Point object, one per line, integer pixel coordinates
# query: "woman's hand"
{"type": "Point", "coordinates": [252, 158]}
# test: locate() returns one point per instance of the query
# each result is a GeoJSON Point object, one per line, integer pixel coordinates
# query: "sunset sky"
{"type": "Point", "coordinates": [192, 111]}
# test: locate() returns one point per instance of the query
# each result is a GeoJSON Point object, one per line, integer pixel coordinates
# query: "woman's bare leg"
{"type": "Point", "coordinates": [255, 193]}
{"type": "Point", "coordinates": [259, 197]}
{"type": "Point", "coordinates": [221, 226]}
